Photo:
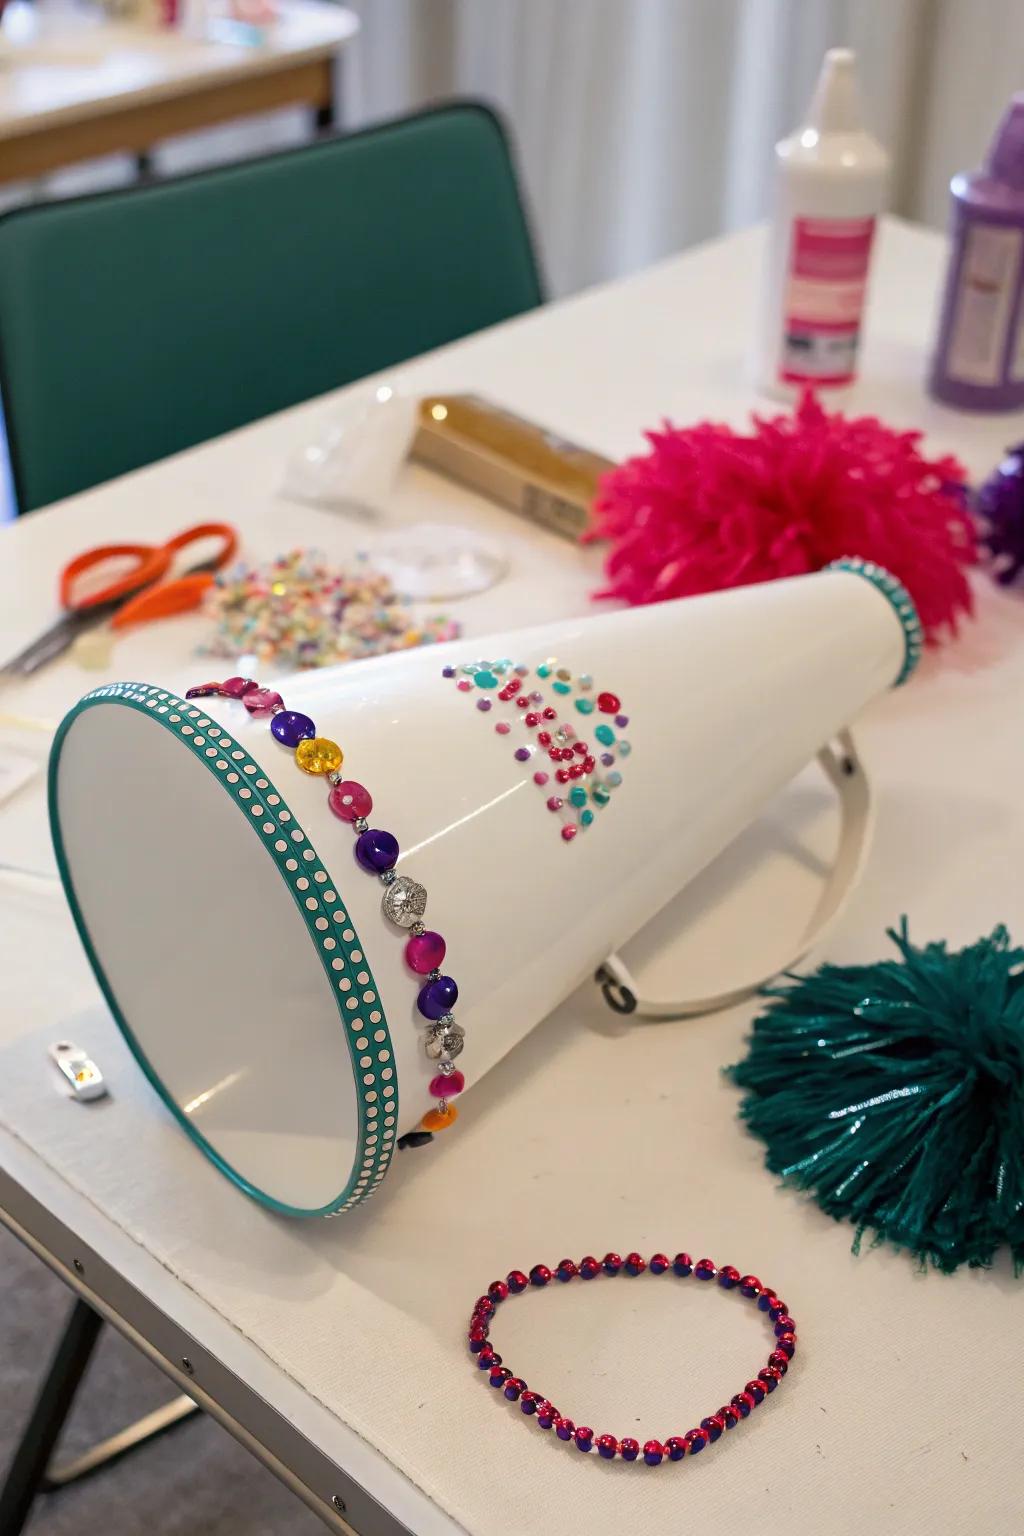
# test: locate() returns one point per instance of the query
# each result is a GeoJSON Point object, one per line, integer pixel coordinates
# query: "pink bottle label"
{"type": "Point", "coordinates": [824, 299]}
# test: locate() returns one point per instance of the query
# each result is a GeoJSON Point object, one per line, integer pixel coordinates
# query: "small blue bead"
{"type": "Point", "coordinates": [289, 727]}
{"type": "Point", "coordinates": [607, 1451]}
{"type": "Point", "coordinates": [764, 1301]}
{"type": "Point", "coordinates": [652, 1458]}
{"type": "Point", "coordinates": [682, 1270]}
{"type": "Point", "coordinates": [633, 1269]}
{"type": "Point", "coordinates": [438, 997]}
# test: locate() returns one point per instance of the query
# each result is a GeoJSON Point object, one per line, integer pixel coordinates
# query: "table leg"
{"type": "Point", "coordinates": [27, 1470]}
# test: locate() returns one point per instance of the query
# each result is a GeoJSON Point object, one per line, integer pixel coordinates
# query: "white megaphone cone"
{"type": "Point", "coordinates": [549, 791]}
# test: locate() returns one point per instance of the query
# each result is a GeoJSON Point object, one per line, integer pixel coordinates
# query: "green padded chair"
{"type": "Point", "coordinates": [135, 323]}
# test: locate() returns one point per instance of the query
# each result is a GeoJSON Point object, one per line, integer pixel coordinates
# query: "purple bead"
{"type": "Point", "coordinates": [483, 704]}
{"type": "Point", "coordinates": [375, 850]}
{"type": "Point", "coordinates": [447, 671]}
{"type": "Point", "coordinates": [289, 728]}
{"type": "Point", "coordinates": [621, 720]}
{"type": "Point", "coordinates": [438, 997]}
{"type": "Point", "coordinates": [607, 759]}
{"type": "Point", "coordinates": [522, 754]}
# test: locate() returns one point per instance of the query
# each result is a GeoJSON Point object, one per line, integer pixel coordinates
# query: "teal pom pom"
{"type": "Point", "coordinates": [894, 1093]}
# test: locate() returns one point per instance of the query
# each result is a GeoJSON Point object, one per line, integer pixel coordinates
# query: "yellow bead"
{"type": "Point", "coordinates": [319, 755]}
{"type": "Point", "coordinates": [439, 1119]}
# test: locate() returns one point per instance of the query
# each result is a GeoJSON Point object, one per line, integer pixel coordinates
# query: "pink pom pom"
{"type": "Point", "coordinates": [708, 508]}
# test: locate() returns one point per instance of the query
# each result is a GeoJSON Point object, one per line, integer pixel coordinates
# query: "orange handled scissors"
{"type": "Point", "coordinates": [96, 588]}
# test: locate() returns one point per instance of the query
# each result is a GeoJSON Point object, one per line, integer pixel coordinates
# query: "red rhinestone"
{"type": "Point", "coordinates": [514, 684]}
{"type": "Point", "coordinates": [562, 775]}
{"type": "Point", "coordinates": [532, 719]}
{"type": "Point", "coordinates": [550, 714]}
{"type": "Point", "coordinates": [555, 754]}
{"type": "Point", "coordinates": [568, 833]}
{"type": "Point", "coordinates": [608, 703]}
{"type": "Point", "coordinates": [576, 771]}
{"type": "Point", "coordinates": [522, 702]}
{"type": "Point", "coordinates": [589, 764]}
{"type": "Point", "coordinates": [497, 1290]}
{"type": "Point", "coordinates": [581, 749]}
{"type": "Point", "coordinates": [477, 1333]}
{"type": "Point", "coordinates": [635, 1263]}
{"type": "Point", "coordinates": [544, 737]}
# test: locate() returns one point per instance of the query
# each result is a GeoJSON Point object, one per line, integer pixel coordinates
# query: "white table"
{"type": "Point", "coordinates": [74, 86]}
{"type": "Point", "coordinates": [336, 1350]}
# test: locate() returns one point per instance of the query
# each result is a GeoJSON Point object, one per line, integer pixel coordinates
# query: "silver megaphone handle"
{"type": "Point", "coordinates": [843, 767]}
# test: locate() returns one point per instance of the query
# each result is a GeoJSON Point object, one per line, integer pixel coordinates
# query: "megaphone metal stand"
{"type": "Point", "coordinates": [845, 771]}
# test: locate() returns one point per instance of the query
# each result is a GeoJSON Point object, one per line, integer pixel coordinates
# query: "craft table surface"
{"type": "Point", "coordinates": [69, 65]}
{"type": "Point", "coordinates": [900, 1415]}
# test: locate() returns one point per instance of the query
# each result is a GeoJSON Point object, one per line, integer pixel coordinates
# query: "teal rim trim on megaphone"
{"type": "Point", "coordinates": [902, 605]}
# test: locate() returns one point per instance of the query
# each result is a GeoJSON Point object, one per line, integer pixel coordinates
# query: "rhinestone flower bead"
{"type": "Point", "coordinates": [404, 901]}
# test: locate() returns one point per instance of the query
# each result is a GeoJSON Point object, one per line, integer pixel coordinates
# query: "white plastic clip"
{"type": "Point", "coordinates": [82, 1077]}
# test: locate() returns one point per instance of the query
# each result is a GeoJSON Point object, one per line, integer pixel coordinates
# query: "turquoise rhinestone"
{"type": "Point", "coordinates": [605, 735]}
{"type": "Point", "coordinates": [471, 668]}
{"type": "Point", "coordinates": [585, 706]}
{"type": "Point", "coordinates": [577, 795]}
{"type": "Point", "coordinates": [601, 793]}
{"type": "Point", "coordinates": [586, 817]}
{"type": "Point", "coordinates": [486, 680]}
{"type": "Point", "coordinates": [543, 671]}
{"type": "Point", "coordinates": [562, 687]}
{"type": "Point", "coordinates": [614, 779]}
{"type": "Point", "coordinates": [624, 749]}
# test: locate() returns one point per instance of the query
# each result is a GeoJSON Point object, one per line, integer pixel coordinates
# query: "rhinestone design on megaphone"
{"type": "Point", "coordinates": [581, 777]}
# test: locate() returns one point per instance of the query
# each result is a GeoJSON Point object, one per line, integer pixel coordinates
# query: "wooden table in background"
{"type": "Point", "coordinates": [74, 86]}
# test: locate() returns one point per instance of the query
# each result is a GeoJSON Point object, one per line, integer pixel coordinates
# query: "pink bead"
{"type": "Point", "coordinates": [349, 800]}
{"type": "Point", "coordinates": [464, 685]}
{"type": "Point", "coordinates": [568, 833]}
{"type": "Point", "coordinates": [262, 701]}
{"type": "Point", "coordinates": [236, 686]}
{"type": "Point", "coordinates": [554, 803]}
{"type": "Point", "coordinates": [425, 952]}
{"type": "Point", "coordinates": [502, 727]}
{"type": "Point", "coordinates": [532, 719]}
{"type": "Point", "coordinates": [540, 778]}
{"type": "Point", "coordinates": [447, 1087]}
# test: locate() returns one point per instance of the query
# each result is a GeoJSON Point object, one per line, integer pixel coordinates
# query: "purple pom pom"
{"type": "Point", "coordinates": [999, 504]}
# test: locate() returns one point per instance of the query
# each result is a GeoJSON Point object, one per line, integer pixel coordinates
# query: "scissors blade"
{"type": "Point", "coordinates": [55, 641]}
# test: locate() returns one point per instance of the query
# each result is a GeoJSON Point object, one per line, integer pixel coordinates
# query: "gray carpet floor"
{"type": "Point", "coordinates": [196, 1481]}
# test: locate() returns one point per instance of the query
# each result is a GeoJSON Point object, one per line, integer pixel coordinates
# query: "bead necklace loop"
{"type": "Point", "coordinates": [546, 1416]}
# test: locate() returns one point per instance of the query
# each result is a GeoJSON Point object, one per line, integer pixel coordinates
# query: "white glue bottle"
{"type": "Point", "coordinates": [830, 184]}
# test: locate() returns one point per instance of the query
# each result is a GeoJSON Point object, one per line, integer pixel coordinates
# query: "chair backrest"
{"type": "Point", "coordinates": [135, 323]}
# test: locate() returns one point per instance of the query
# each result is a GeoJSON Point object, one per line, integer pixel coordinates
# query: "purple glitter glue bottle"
{"type": "Point", "coordinates": [979, 360]}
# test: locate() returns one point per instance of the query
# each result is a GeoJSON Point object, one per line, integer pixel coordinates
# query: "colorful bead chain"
{"type": "Point", "coordinates": [711, 1428]}
{"type": "Point", "coordinates": [404, 901]}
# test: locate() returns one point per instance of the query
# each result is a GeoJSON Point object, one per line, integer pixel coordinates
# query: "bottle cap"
{"type": "Point", "coordinates": [836, 104]}
{"type": "Point", "coordinates": [1005, 160]}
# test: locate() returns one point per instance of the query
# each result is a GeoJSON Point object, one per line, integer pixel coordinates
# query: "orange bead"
{"type": "Point", "coordinates": [439, 1119]}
